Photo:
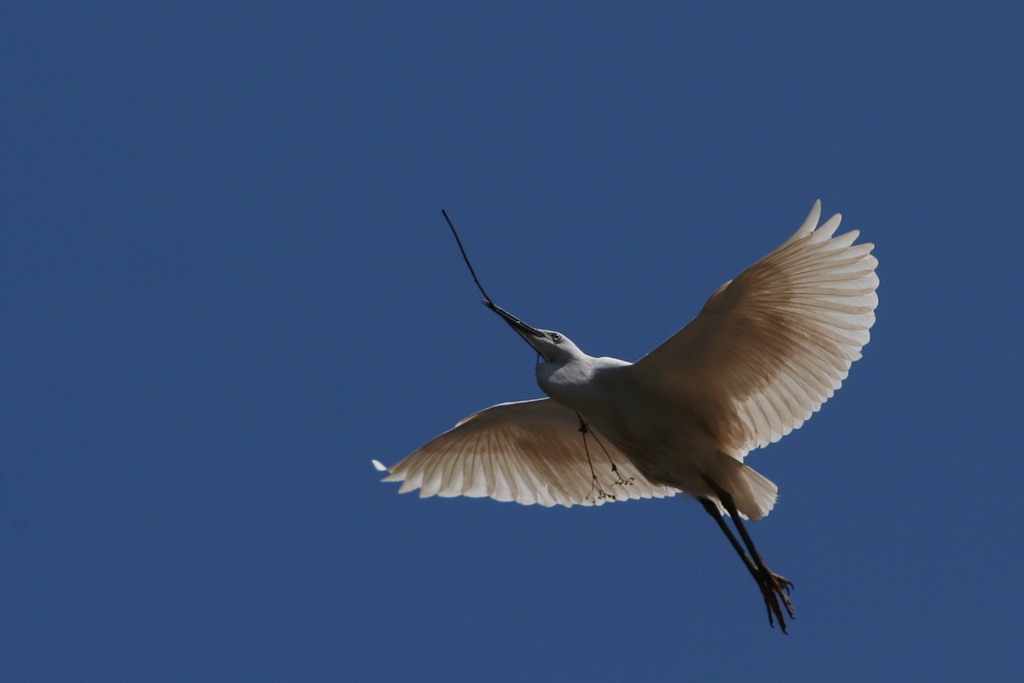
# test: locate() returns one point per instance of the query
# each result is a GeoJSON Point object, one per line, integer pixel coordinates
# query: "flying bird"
{"type": "Point", "coordinates": [766, 351]}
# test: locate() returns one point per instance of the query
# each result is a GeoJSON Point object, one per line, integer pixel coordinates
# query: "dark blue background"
{"type": "Point", "coordinates": [226, 286]}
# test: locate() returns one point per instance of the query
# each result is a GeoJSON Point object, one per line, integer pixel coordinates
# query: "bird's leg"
{"type": "Point", "coordinates": [771, 604]}
{"type": "Point", "coordinates": [712, 510]}
{"type": "Point", "coordinates": [772, 585]}
{"type": "Point", "coordinates": [594, 482]}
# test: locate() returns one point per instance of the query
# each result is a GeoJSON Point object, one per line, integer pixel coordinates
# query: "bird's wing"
{"type": "Point", "coordinates": [772, 345]}
{"type": "Point", "coordinates": [529, 452]}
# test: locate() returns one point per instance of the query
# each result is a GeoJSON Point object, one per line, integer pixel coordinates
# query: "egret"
{"type": "Point", "coordinates": [766, 351]}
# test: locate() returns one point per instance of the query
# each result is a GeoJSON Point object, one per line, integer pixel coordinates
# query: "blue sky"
{"type": "Point", "coordinates": [226, 286]}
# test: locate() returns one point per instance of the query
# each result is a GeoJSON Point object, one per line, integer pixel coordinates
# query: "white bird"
{"type": "Point", "coordinates": [767, 350]}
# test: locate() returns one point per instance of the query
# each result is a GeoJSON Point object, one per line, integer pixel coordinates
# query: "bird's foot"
{"type": "Point", "coordinates": [773, 588]}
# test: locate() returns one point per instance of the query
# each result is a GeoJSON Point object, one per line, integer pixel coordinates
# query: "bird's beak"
{"type": "Point", "coordinates": [527, 332]}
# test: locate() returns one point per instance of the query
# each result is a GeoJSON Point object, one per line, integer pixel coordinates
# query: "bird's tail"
{"type": "Point", "coordinates": [753, 493]}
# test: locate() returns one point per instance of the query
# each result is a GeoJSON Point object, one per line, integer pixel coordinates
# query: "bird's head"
{"type": "Point", "coordinates": [552, 346]}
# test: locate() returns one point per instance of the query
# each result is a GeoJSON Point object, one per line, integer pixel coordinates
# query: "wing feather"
{"type": "Point", "coordinates": [771, 346]}
{"type": "Point", "coordinates": [528, 452]}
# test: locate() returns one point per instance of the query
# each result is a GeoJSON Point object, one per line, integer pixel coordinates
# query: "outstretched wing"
{"type": "Point", "coordinates": [771, 346]}
{"type": "Point", "coordinates": [529, 452]}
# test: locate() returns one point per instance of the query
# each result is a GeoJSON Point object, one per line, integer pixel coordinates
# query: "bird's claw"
{"type": "Point", "coordinates": [773, 587]}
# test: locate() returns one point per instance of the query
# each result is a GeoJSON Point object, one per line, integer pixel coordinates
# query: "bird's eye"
{"type": "Point", "coordinates": [555, 337]}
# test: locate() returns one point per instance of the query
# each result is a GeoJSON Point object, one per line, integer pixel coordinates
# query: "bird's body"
{"type": "Point", "coordinates": [766, 351]}
{"type": "Point", "coordinates": [665, 445]}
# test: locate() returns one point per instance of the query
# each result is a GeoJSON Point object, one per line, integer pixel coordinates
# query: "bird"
{"type": "Point", "coordinates": [766, 351]}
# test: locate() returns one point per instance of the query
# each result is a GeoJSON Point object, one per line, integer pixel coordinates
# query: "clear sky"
{"type": "Point", "coordinates": [226, 285]}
